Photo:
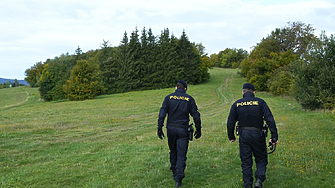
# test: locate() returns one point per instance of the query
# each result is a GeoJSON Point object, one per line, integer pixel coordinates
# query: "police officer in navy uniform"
{"type": "Point", "coordinates": [251, 112]}
{"type": "Point", "coordinates": [178, 106]}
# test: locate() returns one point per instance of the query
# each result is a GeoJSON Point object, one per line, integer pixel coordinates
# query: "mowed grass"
{"type": "Point", "coordinates": [111, 141]}
{"type": "Point", "coordinates": [13, 96]}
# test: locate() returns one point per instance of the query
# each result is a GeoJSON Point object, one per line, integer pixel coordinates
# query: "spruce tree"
{"type": "Point", "coordinates": [135, 51]}
{"type": "Point", "coordinates": [189, 60]}
{"type": "Point", "coordinates": [152, 49]}
{"type": "Point", "coordinates": [124, 65]}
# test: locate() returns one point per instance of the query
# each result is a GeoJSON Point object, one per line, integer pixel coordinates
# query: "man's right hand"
{"type": "Point", "coordinates": [160, 133]}
{"type": "Point", "coordinates": [273, 141]}
{"type": "Point", "coordinates": [197, 133]}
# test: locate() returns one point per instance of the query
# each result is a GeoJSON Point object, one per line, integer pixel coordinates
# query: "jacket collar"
{"type": "Point", "coordinates": [181, 90]}
{"type": "Point", "coordinates": [248, 94]}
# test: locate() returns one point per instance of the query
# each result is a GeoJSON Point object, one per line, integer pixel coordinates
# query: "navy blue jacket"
{"type": "Point", "coordinates": [250, 111]}
{"type": "Point", "coordinates": [179, 106]}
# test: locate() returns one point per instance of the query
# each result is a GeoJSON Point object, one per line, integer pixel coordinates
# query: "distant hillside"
{"type": "Point", "coordinates": [3, 80]}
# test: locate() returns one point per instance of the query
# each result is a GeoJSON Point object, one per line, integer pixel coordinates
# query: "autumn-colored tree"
{"type": "Point", "coordinates": [279, 49]}
{"type": "Point", "coordinates": [205, 62]}
{"type": "Point", "coordinates": [33, 74]}
{"type": "Point", "coordinates": [85, 81]}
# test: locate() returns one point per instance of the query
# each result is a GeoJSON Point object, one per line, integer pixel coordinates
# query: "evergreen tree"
{"type": "Point", "coordinates": [135, 52]}
{"type": "Point", "coordinates": [150, 49]}
{"type": "Point", "coordinates": [144, 60]}
{"type": "Point", "coordinates": [172, 65]}
{"type": "Point", "coordinates": [189, 60]}
{"type": "Point", "coordinates": [124, 65]}
{"type": "Point", "coordinates": [161, 64]}
{"type": "Point", "coordinates": [106, 59]}
{"type": "Point", "coordinates": [78, 53]}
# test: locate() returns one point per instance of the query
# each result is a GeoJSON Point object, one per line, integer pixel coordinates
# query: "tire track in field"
{"type": "Point", "coordinates": [28, 96]}
{"type": "Point", "coordinates": [223, 97]}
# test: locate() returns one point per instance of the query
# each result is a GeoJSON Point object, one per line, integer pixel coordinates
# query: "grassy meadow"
{"type": "Point", "coordinates": [111, 141]}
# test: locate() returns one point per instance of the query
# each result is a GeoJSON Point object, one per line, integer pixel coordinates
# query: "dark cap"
{"type": "Point", "coordinates": [182, 82]}
{"type": "Point", "coordinates": [249, 86]}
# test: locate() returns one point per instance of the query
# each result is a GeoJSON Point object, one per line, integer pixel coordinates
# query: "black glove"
{"type": "Point", "coordinates": [273, 141]}
{"type": "Point", "coordinates": [160, 133]}
{"type": "Point", "coordinates": [197, 133]}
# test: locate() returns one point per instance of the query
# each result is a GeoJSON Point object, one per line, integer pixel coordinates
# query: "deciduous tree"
{"type": "Point", "coordinates": [84, 82]}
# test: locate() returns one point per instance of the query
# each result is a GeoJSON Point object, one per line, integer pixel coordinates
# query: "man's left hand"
{"type": "Point", "coordinates": [160, 133]}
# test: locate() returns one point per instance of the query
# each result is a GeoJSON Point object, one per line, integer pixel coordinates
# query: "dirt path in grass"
{"type": "Point", "coordinates": [28, 96]}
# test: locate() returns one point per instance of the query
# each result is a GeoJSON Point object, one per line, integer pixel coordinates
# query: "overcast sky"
{"type": "Point", "coordinates": [35, 30]}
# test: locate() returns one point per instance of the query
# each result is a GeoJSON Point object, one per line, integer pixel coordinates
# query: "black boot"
{"type": "Point", "coordinates": [178, 184]}
{"type": "Point", "coordinates": [258, 183]}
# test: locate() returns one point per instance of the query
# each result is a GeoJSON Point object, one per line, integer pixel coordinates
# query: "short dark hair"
{"type": "Point", "coordinates": [180, 85]}
{"type": "Point", "coordinates": [247, 90]}
{"type": "Point", "coordinates": [183, 83]}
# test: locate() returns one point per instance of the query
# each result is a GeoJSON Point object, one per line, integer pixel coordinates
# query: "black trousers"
{"type": "Point", "coordinates": [253, 143]}
{"type": "Point", "coordinates": [178, 144]}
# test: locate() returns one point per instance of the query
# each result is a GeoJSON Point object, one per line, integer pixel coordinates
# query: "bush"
{"type": "Point", "coordinates": [85, 81]}
{"type": "Point", "coordinates": [314, 83]}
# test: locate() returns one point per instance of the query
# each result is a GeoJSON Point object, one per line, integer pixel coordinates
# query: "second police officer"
{"type": "Point", "coordinates": [178, 106]}
{"type": "Point", "coordinates": [250, 112]}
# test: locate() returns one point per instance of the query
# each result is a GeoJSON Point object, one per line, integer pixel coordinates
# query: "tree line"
{"type": "Point", "coordinates": [10, 84]}
{"type": "Point", "coordinates": [289, 61]}
{"type": "Point", "coordinates": [293, 61]}
{"type": "Point", "coordinates": [229, 58]}
{"type": "Point", "coordinates": [140, 62]}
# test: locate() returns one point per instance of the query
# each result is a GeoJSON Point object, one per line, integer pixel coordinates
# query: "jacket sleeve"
{"type": "Point", "coordinates": [232, 119]}
{"type": "Point", "coordinates": [195, 114]}
{"type": "Point", "coordinates": [162, 112]}
{"type": "Point", "coordinates": [268, 117]}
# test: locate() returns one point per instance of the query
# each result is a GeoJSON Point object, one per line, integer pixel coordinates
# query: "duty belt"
{"type": "Point", "coordinates": [251, 129]}
{"type": "Point", "coordinates": [177, 125]}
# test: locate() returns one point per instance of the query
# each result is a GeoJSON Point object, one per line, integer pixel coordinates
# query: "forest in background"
{"type": "Point", "coordinates": [138, 63]}
{"type": "Point", "coordinates": [289, 61]}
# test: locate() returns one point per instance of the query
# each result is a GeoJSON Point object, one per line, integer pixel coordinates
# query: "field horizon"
{"type": "Point", "coordinates": [111, 141]}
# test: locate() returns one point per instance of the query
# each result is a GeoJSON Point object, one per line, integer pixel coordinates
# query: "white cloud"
{"type": "Point", "coordinates": [34, 30]}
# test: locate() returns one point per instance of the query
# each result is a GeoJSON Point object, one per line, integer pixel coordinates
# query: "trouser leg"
{"type": "Point", "coordinates": [172, 142]}
{"type": "Point", "coordinates": [261, 159]}
{"type": "Point", "coordinates": [182, 146]}
{"type": "Point", "coordinates": [246, 159]}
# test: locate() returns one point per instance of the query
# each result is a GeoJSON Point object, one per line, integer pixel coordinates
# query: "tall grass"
{"type": "Point", "coordinates": [111, 141]}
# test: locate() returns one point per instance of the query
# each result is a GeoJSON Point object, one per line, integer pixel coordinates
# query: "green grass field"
{"type": "Point", "coordinates": [111, 141]}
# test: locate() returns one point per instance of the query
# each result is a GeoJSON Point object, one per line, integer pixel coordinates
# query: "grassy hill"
{"type": "Point", "coordinates": [111, 141]}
